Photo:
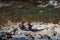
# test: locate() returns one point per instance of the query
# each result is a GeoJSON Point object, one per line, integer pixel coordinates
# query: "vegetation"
{"type": "Point", "coordinates": [19, 11]}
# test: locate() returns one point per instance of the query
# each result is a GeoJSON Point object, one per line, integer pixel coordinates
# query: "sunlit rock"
{"type": "Point", "coordinates": [53, 2]}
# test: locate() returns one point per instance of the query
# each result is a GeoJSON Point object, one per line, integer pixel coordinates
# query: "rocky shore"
{"type": "Point", "coordinates": [47, 31]}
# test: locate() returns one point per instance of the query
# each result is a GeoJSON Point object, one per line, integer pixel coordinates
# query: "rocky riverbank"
{"type": "Point", "coordinates": [48, 31]}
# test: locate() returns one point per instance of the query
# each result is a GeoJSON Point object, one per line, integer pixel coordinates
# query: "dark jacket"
{"type": "Point", "coordinates": [21, 26]}
{"type": "Point", "coordinates": [30, 27]}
